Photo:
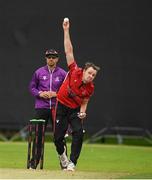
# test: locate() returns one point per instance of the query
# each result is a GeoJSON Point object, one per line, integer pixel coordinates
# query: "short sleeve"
{"type": "Point", "coordinates": [90, 91]}
{"type": "Point", "coordinates": [73, 66]}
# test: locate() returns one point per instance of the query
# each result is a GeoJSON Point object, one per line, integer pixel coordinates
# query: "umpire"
{"type": "Point", "coordinates": [44, 86]}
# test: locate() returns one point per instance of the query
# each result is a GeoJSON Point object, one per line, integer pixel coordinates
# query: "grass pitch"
{"type": "Point", "coordinates": [95, 162]}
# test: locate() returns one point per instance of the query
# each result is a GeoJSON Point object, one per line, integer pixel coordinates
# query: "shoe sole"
{"type": "Point", "coordinates": [72, 170]}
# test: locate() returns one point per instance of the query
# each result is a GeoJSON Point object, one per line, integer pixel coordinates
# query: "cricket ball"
{"type": "Point", "coordinates": [66, 19]}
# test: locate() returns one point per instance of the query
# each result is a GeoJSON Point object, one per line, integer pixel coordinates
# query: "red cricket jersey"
{"type": "Point", "coordinates": [73, 90]}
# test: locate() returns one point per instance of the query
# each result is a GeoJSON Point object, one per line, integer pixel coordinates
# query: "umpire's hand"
{"type": "Point", "coordinates": [45, 95]}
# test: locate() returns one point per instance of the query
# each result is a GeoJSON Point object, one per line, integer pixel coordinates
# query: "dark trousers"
{"type": "Point", "coordinates": [64, 117]}
{"type": "Point", "coordinates": [46, 114]}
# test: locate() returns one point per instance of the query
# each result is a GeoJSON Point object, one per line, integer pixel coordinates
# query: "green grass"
{"type": "Point", "coordinates": [96, 161]}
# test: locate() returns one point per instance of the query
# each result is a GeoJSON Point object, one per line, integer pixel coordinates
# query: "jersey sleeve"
{"type": "Point", "coordinates": [73, 66]}
{"type": "Point", "coordinates": [90, 92]}
{"type": "Point", "coordinates": [33, 85]}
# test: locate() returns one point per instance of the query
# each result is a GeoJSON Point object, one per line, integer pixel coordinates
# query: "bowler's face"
{"type": "Point", "coordinates": [89, 75]}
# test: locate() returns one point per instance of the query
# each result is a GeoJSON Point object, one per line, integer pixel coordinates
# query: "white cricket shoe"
{"type": "Point", "coordinates": [63, 160]}
{"type": "Point", "coordinates": [71, 166]}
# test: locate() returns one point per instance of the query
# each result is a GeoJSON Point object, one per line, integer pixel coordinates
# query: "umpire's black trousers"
{"type": "Point", "coordinates": [64, 117]}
